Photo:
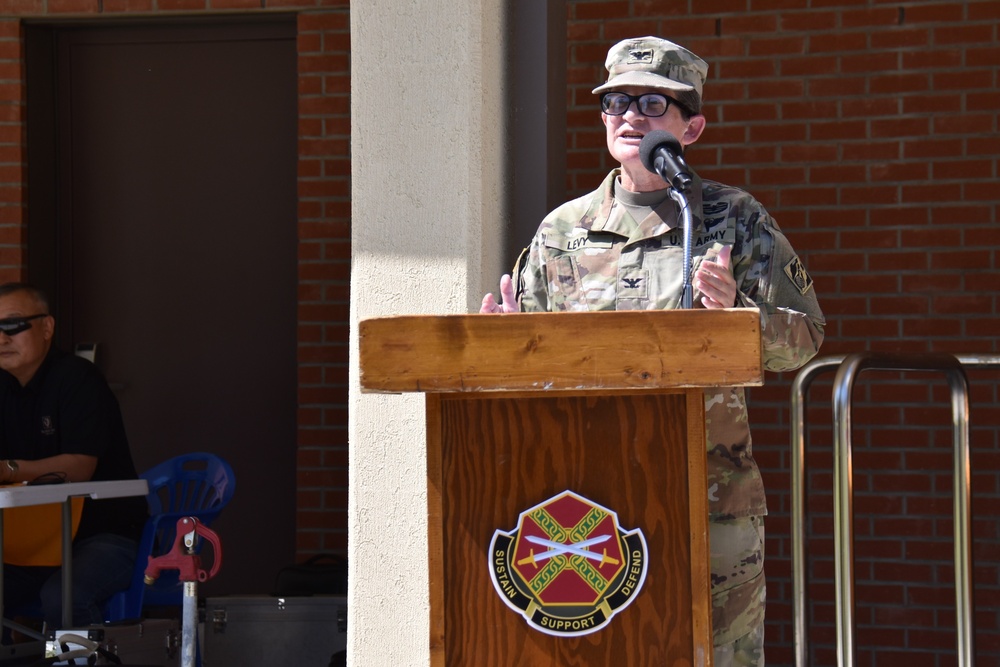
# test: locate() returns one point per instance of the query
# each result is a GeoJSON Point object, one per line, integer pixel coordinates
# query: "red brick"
{"type": "Point", "coordinates": [745, 69]}
{"type": "Point", "coordinates": [717, 48]}
{"type": "Point", "coordinates": [982, 56]}
{"type": "Point", "coordinates": [600, 10]}
{"type": "Point", "coordinates": [900, 127]}
{"type": "Point", "coordinates": [811, 152]}
{"type": "Point", "coordinates": [812, 196]}
{"type": "Point", "coordinates": [968, 259]}
{"type": "Point", "coordinates": [804, 21]}
{"type": "Point", "coordinates": [982, 102]}
{"type": "Point", "coordinates": [934, 104]}
{"type": "Point", "coordinates": [962, 169]}
{"type": "Point", "coordinates": [931, 328]}
{"type": "Point", "coordinates": [776, 176]}
{"type": "Point", "coordinates": [837, 130]}
{"type": "Point", "coordinates": [748, 23]}
{"type": "Point", "coordinates": [866, 18]}
{"type": "Point", "coordinates": [869, 62]}
{"type": "Point", "coordinates": [903, 38]}
{"type": "Point", "coordinates": [898, 172]}
{"type": "Point", "coordinates": [962, 80]}
{"type": "Point", "coordinates": [869, 107]}
{"type": "Point", "coordinates": [747, 154]}
{"type": "Point", "coordinates": [838, 42]}
{"type": "Point", "coordinates": [980, 11]}
{"type": "Point", "coordinates": [777, 46]}
{"type": "Point", "coordinates": [809, 65]}
{"type": "Point", "coordinates": [22, 7]}
{"type": "Point", "coordinates": [73, 6]}
{"type": "Point", "coordinates": [324, 147]}
{"type": "Point", "coordinates": [902, 83]}
{"type": "Point", "coordinates": [808, 109]}
{"type": "Point", "coordinates": [838, 87]}
{"type": "Point", "coordinates": [775, 88]}
{"type": "Point", "coordinates": [744, 113]}
{"type": "Point", "coordinates": [962, 35]}
{"type": "Point", "coordinates": [126, 6]}
{"type": "Point", "coordinates": [986, 191]}
{"type": "Point", "coordinates": [932, 148]}
{"type": "Point", "coordinates": [719, 7]}
{"type": "Point", "coordinates": [325, 62]}
{"type": "Point", "coordinates": [971, 123]}
{"type": "Point", "coordinates": [778, 133]}
{"type": "Point", "coordinates": [181, 5]}
{"type": "Point", "coordinates": [323, 20]}
{"type": "Point", "coordinates": [836, 174]}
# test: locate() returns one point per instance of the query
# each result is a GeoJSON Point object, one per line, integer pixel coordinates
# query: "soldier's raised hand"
{"type": "Point", "coordinates": [508, 303]}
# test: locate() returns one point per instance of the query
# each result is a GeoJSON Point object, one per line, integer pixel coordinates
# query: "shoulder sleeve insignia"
{"type": "Point", "coordinates": [796, 272]}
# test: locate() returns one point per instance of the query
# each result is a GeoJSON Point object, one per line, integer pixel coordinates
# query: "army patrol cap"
{"type": "Point", "coordinates": [652, 62]}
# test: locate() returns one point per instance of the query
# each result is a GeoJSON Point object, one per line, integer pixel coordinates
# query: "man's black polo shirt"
{"type": "Point", "coordinates": [68, 408]}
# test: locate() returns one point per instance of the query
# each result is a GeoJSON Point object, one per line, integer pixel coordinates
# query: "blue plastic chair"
{"type": "Point", "coordinates": [197, 485]}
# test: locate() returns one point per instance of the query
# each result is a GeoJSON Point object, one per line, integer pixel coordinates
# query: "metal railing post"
{"type": "Point", "coordinates": [800, 386]}
{"type": "Point", "coordinates": [843, 490]}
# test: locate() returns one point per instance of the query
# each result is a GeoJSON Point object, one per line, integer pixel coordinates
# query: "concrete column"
{"type": "Point", "coordinates": [428, 179]}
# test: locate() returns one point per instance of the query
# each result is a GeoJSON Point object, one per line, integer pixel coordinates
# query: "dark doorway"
{"type": "Point", "coordinates": [162, 217]}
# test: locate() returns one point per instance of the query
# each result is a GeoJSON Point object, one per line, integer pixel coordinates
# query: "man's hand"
{"type": "Point", "coordinates": [75, 467]}
{"type": "Point", "coordinates": [508, 301]}
{"type": "Point", "coordinates": [715, 281]}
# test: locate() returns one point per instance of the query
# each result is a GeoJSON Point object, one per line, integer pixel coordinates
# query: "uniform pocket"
{"type": "Point", "coordinates": [564, 284]}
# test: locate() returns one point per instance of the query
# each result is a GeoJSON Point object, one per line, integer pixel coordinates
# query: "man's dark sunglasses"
{"type": "Point", "coordinates": [652, 105]}
{"type": "Point", "coordinates": [15, 325]}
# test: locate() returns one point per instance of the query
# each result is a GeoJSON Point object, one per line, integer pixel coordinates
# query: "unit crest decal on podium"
{"type": "Point", "coordinates": [568, 567]}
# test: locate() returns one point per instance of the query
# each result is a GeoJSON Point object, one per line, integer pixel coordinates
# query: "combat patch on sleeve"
{"type": "Point", "coordinates": [796, 272]}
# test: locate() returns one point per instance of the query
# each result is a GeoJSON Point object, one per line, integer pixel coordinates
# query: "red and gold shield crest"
{"type": "Point", "coordinates": [568, 567]}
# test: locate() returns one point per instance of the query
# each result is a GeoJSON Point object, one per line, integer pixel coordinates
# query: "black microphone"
{"type": "Point", "coordinates": [662, 154]}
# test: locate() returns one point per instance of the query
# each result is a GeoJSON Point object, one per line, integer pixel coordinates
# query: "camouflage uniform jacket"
{"type": "Point", "coordinates": [586, 256]}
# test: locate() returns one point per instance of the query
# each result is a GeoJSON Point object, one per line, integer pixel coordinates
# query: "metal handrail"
{"type": "Point", "coordinates": [800, 386]}
{"type": "Point", "coordinates": [848, 369]}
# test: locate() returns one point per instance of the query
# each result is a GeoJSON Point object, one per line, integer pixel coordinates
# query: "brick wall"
{"type": "Point", "coordinates": [324, 278]}
{"type": "Point", "coordinates": [323, 45]}
{"type": "Point", "coordinates": [869, 129]}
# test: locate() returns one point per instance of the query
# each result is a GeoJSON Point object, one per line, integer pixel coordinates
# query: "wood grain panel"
{"type": "Point", "coordinates": [502, 455]}
{"type": "Point", "coordinates": [561, 351]}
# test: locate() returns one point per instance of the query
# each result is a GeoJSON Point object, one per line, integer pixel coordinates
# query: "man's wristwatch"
{"type": "Point", "coordinates": [10, 467]}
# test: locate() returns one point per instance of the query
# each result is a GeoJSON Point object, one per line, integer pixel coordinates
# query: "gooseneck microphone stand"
{"type": "Point", "coordinates": [685, 211]}
{"type": "Point", "coordinates": [662, 154]}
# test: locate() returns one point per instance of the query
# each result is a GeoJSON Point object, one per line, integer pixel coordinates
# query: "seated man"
{"type": "Point", "coordinates": [59, 417]}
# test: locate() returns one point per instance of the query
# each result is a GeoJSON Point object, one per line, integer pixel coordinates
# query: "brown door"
{"type": "Point", "coordinates": [172, 245]}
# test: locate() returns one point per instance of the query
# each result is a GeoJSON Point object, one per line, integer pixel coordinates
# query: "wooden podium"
{"type": "Point", "coordinates": [524, 407]}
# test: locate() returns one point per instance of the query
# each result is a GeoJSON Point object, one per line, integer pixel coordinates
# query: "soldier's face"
{"type": "Point", "coordinates": [625, 132]}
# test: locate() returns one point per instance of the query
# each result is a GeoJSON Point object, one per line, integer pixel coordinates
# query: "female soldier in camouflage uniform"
{"type": "Point", "coordinates": [620, 248]}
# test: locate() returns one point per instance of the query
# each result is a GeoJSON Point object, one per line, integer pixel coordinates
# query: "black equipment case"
{"type": "Point", "coordinates": [270, 630]}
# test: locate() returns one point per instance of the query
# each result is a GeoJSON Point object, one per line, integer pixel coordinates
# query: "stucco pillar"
{"type": "Point", "coordinates": [427, 135]}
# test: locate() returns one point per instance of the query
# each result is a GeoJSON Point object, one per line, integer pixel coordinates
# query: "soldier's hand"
{"type": "Point", "coordinates": [508, 302]}
{"type": "Point", "coordinates": [715, 281]}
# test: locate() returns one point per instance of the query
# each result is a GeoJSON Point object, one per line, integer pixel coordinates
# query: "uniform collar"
{"type": "Point", "coordinates": [607, 218]}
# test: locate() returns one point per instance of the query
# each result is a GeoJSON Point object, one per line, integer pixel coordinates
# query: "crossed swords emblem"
{"type": "Point", "coordinates": [561, 549]}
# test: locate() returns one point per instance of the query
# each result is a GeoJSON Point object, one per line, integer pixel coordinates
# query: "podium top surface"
{"type": "Point", "coordinates": [574, 351]}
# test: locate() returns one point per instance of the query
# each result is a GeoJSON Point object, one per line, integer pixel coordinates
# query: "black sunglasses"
{"type": "Point", "coordinates": [15, 325]}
